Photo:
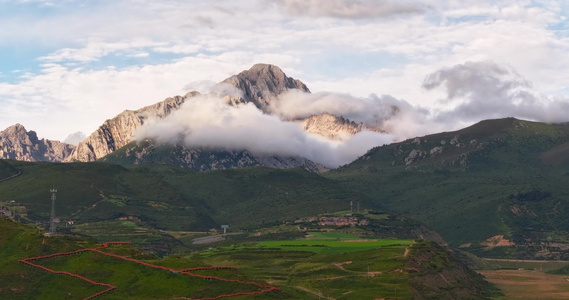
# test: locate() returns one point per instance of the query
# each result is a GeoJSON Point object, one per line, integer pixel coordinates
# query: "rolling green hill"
{"type": "Point", "coordinates": [163, 197]}
{"type": "Point", "coordinates": [7, 171]}
{"type": "Point", "coordinates": [498, 177]}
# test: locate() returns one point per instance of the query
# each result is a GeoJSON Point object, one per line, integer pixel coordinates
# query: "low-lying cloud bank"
{"type": "Point", "coordinates": [392, 115]}
{"type": "Point", "coordinates": [473, 91]}
{"type": "Point", "coordinates": [207, 121]}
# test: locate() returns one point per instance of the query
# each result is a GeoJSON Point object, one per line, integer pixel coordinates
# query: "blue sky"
{"type": "Point", "coordinates": [68, 65]}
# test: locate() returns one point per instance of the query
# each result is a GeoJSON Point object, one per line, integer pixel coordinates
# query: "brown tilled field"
{"type": "Point", "coordinates": [526, 284]}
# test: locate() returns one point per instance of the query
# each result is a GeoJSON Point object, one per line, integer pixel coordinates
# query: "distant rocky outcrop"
{"type": "Point", "coordinates": [119, 131]}
{"type": "Point", "coordinates": [287, 162]}
{"type": "Point", "coordinates": [19, 144]}
{"type": "Point", "coordinates": [333, 127]}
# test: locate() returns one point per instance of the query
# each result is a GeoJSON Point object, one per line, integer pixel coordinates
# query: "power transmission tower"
{"type": "Point", "coordinates": [52, 220]}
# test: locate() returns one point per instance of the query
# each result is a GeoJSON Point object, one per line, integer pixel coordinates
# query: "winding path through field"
{"type": "Point", "coordinates": [263, 288]}
{"type": "Point", "coordinates": [314, 292]}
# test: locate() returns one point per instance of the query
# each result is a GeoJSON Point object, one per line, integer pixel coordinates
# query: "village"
{"type": "Point", "coordinates": [334, 221]}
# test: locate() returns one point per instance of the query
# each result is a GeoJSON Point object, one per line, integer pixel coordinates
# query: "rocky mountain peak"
{"type": "Point", "coordinates": [19, 144]}
{"type": "Point", "coordinates": [16, 129]}
{"type": "Point", "coordinates": [262, 84]}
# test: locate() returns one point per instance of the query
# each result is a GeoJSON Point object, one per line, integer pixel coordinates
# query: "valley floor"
{"type": "Point", "coordinates": [529, 284]}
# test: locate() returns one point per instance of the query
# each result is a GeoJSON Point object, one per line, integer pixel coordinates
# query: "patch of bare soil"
{"type": "Point", "coordinates": [373, 274]}
{"type": "Point", "coordinates": [525, 284]}
{"type": "Point", "coordinates": [497, 241]}
{"type": "Point", "coordinates": [341, 264]}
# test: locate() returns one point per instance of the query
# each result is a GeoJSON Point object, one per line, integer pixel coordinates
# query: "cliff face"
{"type": "Point", "coordinates": [119, 131]}
{"type": "Point", "coordinates": [19, 144]}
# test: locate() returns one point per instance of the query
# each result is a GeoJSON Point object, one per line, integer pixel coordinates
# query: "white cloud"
{"type": "Point", "coordinates": [350, 8]}
{"type": "Point", "coordinates": [206, 121]}
{"type": "Point", "coordinates": [94, 50]}
{"type": "Point", "coordinates": [75, 138]}
{"type": "Point", "coordinates": [486, 90]}
{"type": "Point", "coordinates": [371, 111]}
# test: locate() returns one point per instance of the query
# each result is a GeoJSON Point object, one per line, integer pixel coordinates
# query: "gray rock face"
{"type": "Point", "coordinates": [263, 83]}
{"type": "Point", "coordinates": [119, 131]}
{"type": "Point", "coordinates": [279, 162]}
{"type": "Point", "coordinates": [19, 144]}
{"type": "Point", "coordinates": [200, 159]}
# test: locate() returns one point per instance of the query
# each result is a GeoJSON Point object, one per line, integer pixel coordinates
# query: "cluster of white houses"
{"type": "Point", "coordinates": [334, 221]}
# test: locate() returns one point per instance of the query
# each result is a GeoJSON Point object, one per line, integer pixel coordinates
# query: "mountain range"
{"type": "Point", "coordinates": [261, 85]}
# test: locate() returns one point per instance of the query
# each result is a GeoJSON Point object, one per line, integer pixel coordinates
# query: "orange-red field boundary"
{"type": "Point", "coordinates": [262, 287]}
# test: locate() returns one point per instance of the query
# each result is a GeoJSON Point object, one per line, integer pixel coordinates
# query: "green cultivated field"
{"type": "Point", "coordinates": [329, 264]}
{"type": "Point", "coordinates": [330, 235]}
{"type": "Point", "coordinates": [334, 246]}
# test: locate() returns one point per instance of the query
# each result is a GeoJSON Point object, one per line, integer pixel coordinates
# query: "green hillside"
{"type": "Point", "coordinates": [132, 273]}
{"type": "Point", "coordinates": [18, 241]}
{"type": "Point", "coordinates": [498, 177]}
{"type": "Point", "coordinates": [160, 197]}
{"type": "Point", "coordinates": [286, 269]}
{"type": "Point", "coordinates": [7, 171]}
